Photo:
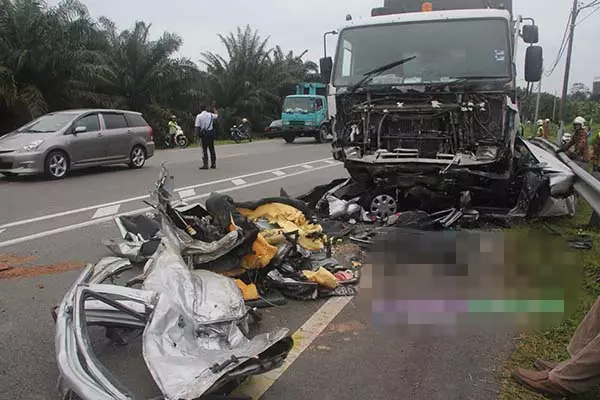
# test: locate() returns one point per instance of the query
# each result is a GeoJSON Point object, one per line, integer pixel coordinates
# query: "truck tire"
{"type": "Point", "coordinates": [322, 134]}
{"type": "Point", "coordinates": [290, 139]}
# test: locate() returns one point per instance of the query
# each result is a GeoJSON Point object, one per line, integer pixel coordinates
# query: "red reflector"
{"type": "Point", "coordinates": [427, 6]}
{"type": "Point", "coordinates": [151, 133]}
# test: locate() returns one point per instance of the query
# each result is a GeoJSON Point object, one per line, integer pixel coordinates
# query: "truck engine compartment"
{"type": "Point", "coordinates": [432, 151]}
{"type": "Point", "coordinates": [434, 127]}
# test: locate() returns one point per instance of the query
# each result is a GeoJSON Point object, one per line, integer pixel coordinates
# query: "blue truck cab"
{"type": "Point", "coordinates": [305, 114]}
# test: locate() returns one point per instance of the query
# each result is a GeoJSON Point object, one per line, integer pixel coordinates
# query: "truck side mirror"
{"type": "Point", "coordinates": [530, 34]}
{"type": "Point", "coordinates": [326, 66]}
{"type": "Point", "coordinates": [534, 64]}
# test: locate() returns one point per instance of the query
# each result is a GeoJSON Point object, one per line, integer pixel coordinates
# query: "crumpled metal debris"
{"type": "Point", "coordinates": [195, 328]}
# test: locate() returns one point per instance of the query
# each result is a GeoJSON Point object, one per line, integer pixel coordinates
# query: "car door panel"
{"type": "Point", "coordinates": [139, 129]}
{"type": "Point", "coordinates": [86, 147]}
{"type": "Point", "coordinates": [119, 136]}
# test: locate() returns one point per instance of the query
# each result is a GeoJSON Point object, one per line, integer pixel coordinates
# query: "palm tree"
{"type": "Point", "coordinates": [251, 79]}
{"type": "Point", "coordinates": [145, 75]}
{"type": "Point", "coordinates": [49, 57]}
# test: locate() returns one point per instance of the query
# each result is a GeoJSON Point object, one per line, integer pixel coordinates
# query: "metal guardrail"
{"type": "Point", "coordinates": [586, 185]}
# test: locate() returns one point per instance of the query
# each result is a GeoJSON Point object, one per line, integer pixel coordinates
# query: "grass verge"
{"type": "Point", "coordinates": [551, 344]}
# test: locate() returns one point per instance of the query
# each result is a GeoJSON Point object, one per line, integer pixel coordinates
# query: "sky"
{"type": "Point", "coordinates": [299, 25]}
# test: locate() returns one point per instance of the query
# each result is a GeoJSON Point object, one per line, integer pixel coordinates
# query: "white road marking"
{"type": "Point", "coordinates": [187, 193]}
{"type": "Point", "coordinates": [2, 231]}
{"type": "Point", "coordinates": [142, 210]}
{"type": "Point", "coordinates": [256, 386]}
{"type": "Point", "coordinates": [106, 211]}
{"type": "Point", "coordinates": [307, 166]}
{"type": "Point", "coordinates": [331, 161]}
{"type": "Point", "coordinates": [238, 182]}
{"type": "Point", "coordinates": [278, 173]}
{"type": "Point", "coordinates": [233, 155]}
{"type": "Point", "coordinates": [138, 198]}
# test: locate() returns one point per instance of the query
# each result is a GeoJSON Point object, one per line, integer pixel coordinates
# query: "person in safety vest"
{"type": "Point", "coordinates": [540, 129]}
{"type": "Point", "coordinates": [547, 128]}
{"type": "Point", "coordinates": [173, 125]}
{"type": "Point", "coordinates": [596, 151]}
{"type": "Point", "coordinates": [579, 141]}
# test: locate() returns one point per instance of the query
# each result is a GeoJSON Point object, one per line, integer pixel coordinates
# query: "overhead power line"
{"type": "Point", "coordinates": [561, 49]}
{"type": "Point", "coordinates": [590, 13]}
{"type": "Point", "coordinates": [592, 4]}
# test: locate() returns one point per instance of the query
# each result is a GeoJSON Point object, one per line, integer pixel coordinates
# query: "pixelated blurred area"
{"type": "Point", "coordinates": [467, 281]}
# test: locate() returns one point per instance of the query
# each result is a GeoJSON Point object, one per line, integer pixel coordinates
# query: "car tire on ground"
{"type": "Point", "coordinates": [322, 135]}
{"type": "Point", "coordinates": [56, 164]}
{"type": "Point", "coordinates": [137, 157]}
{"type": "Point", "coordinates": [290, 139]}
{"type": "Point", "coordinates": [381, 203]}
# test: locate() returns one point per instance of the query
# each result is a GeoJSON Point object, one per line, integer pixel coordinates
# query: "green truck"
{"type": "Point", "coordinates": [304, 114]}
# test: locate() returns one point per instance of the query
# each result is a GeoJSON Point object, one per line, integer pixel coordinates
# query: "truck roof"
{"type": "Point", "coordinates": [429, 16]}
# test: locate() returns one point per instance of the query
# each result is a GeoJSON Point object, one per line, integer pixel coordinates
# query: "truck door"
{"type": "Point", "coordinates": [319, 111]}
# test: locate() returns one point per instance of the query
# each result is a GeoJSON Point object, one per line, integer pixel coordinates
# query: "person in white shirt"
{"type": "Point", "coordinates": [205, 129]}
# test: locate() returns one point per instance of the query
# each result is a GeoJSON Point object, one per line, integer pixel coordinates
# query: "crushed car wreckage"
{"type": "Point", "coordinates": [198, 276]}
{"type": "Point", "coordinates": [538, 185]}
{"type": "Point", "coordinates": [194, 322]}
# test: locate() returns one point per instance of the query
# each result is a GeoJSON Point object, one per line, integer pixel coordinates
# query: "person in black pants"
{"type": "Point", "coordinates": [205, 129]}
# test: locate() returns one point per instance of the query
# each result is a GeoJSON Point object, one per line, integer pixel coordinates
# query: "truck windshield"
{"type": "Point", "coordinates": [298, 104]}
{"type": "Point", "coordinates": [443, 50]}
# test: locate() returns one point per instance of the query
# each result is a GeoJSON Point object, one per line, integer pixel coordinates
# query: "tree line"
{"type": "Point", "coordinates": [580, 102]}
{"type": "Point", "coordinates": [56, 58]}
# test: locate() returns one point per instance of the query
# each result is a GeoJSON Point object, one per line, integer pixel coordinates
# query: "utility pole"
{"type": "Point", "coordinates": [554, 107]}
{"type": "Point", "coordinates": [563, 103]}
{"type": "Point", "coordinates": [537, 101]}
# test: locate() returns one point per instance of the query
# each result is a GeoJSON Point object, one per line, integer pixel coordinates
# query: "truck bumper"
{"type": "Point", "coordinates": [293, 131]}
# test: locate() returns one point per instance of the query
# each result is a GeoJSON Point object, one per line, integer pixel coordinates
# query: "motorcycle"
{"type": "Point", "coordinates": [239, 133]}
{"type": "Point", "coordinates": [178, 139]}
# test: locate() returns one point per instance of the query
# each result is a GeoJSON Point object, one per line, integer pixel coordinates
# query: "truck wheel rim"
{"type": "Point", "coordinates": [57, 165]}
{"type": "Point", "coordinates": [138, 157]}
{"type": "Point", "coordinates": [383, 206]}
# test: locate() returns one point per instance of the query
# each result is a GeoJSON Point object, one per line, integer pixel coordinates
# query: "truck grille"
{"type": "Point", "coordinates": [297, 123]}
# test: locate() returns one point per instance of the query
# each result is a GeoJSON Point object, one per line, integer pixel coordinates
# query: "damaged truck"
{"type": "Point", "coordinates": [426, 110]}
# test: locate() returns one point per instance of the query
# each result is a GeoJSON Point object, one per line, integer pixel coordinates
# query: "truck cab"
{"type": "Point", "coordinates": [305, 114]}
{"type": "Point", "coordinates": [425, 94]}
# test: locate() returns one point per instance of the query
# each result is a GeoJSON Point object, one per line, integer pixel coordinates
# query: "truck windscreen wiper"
{"type": "Point", "coordinates": [482, 77]}
{"type": "Point", "coordinates": [374, 72]}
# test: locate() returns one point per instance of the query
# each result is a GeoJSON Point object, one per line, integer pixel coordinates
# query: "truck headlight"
{"type": "Point", "coordinates": [309, 123]}
{"type": "Point", "coordinates": [31, 146]}
{"type": "Point", "coordinates": [286, 122]}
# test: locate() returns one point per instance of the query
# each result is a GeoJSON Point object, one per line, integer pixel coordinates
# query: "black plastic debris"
{"type": "Point", "coordinates": [581, 242]}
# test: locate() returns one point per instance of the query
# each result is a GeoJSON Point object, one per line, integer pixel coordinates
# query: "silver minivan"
{"type": "Point", "coordinates": [59, 142]}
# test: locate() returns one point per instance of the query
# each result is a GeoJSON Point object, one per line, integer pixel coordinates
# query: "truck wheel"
{"type": "Point", "coordinates": [322, 135]}
{"type": "Point", "coordinates": [290, 139]}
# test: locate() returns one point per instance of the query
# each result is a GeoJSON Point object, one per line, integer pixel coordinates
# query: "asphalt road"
{"type": "Point", "coordinates": [339, 353]}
